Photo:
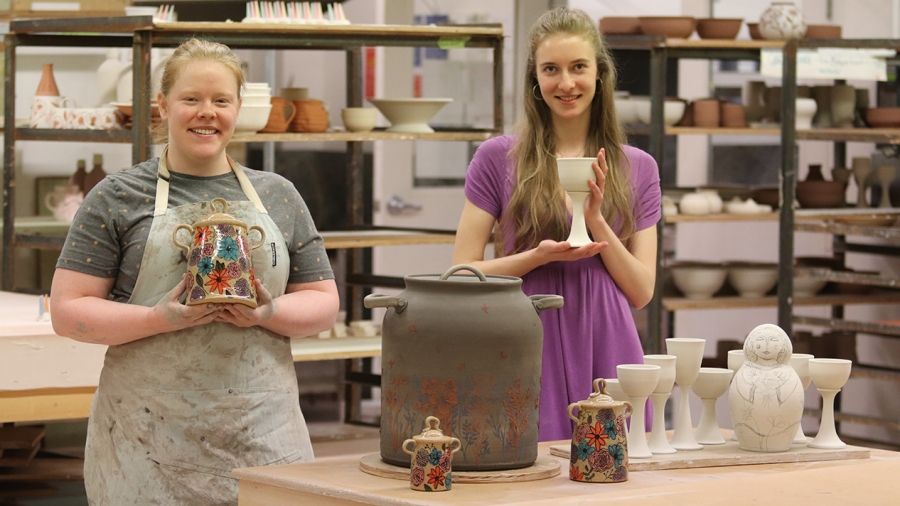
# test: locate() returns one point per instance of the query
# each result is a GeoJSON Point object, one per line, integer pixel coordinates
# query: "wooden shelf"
{"type": "Point", "coordinates": [767, 131]}
{"type": "Point", "coordinates": [52, 134]}
{"type": "Point", "coordinates": [883, 329]}
{"type": "Point", "coordinates": [721, 217]}
{"type": "Point", "coordinates": [652, 41]}
{"type": "Point", "coordinates": [734, 302]}
{"type": "Point", "coordinates": [383, 237]}
{"type": "Point", "coordinates": [880, 135]}
{"type": "Point", "coordinates": [375, 135]}
{"type": "Point", "coordinates": [308, 349]}
{"type": "Point", "coordinates": [857, 278]}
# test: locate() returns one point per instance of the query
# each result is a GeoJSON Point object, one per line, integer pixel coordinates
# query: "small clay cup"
{"type": "Point", "coordinates": [280, 116]}
{"type": "Point", "coordinates": [706, 113]}
{"type": "Point", "coordinates": [732, 115]}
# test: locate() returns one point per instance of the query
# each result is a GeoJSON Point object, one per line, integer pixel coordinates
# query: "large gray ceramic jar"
{"type": "Point", "coordinates": [466, 349]}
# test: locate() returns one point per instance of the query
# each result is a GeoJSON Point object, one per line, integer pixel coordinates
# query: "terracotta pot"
{"type": "Point", "coordinates": [753, 29]}
{"type": "Point", "coordinates": [820, 194]}
{"type": "Point", "coordinates": [311, 116]}
{"type": "Point", "coordinates": [883, 117]}
{"type": "Point", "coordinates": [823, 32]}
{"type": "Point", "coordinates": [219, 258]}
{"type": "Point", "coordinates": [280, 116]}
{"type": "Point", "coordinates": [47, 85]}
{"type": "Point", "coordinates": [732, 115]}
{"type": "Point", "coordinates": [719, 28]}
{"type": "Point", "coordinates": [620, 25]}
{"type": "Point", "coordinates": [706, 113]}
{"type": "Point", "coordinates": [668, 26]}
{"type": "Point", "coordinates": [466, 349]}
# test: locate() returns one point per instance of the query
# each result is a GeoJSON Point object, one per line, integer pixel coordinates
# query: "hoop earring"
{"type": "Point", "coordinates": [536, 94]}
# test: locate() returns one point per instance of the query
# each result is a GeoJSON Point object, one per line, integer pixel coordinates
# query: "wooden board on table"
{"type": "Point", "coordinates": [729, 454]}
{"type": "Point", "coordinates": [543, 468]}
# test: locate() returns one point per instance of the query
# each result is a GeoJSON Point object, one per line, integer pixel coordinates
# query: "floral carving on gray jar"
{"type": "Point", "coordinates": [782, 20]}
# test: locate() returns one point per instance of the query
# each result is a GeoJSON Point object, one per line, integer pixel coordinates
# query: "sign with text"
{"type": "Point", "coordinates": [829, 63]}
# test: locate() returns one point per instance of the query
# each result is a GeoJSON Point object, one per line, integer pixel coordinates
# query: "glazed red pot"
{"type": "Point", "coordinates": [466, 349]}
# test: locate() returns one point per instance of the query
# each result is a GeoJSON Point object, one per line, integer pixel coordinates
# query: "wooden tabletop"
{"type": "Point", "coordinates": [338, 480]}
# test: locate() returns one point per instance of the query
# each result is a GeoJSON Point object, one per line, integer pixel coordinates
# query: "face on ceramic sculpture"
{"type": "Point", "coordinates": [767, 348]}
{"type": "Point", "coordinates": [567, 75]}
{"type": "Point", "coordinates": [200, 110]}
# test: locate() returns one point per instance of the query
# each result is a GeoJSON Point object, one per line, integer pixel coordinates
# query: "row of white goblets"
{"type": "Point", "coordinates": [656, 377]}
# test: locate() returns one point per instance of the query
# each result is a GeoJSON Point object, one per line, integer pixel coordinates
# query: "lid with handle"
{"type": "Point", "coordinates": [220, 216]}
{"type": "Point", "coordinates": [599, 398]}
{"type": "Point", "coordinates": [432, 430]}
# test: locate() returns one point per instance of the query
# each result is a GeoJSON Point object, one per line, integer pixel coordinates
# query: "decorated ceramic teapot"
{"type": "Point", "coordinates": [599, 448]}
{"type": "Point", "coordinates": [219, 258]}
{"type": "Point", "coordinates": [431, 453]}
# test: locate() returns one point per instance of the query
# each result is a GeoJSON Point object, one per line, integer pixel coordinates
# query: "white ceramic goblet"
{"type": "Point", "coordinates": [658, 442]}
{"type": "Point", "coordinates": [800, 363]}
{"type": "Point", "coordinates": [614, 389]}
{"type": "Point", "coordinates": [829, 375]}
{"type": "Point", "coordinates": [711, 383]}
{"type": "Point", "coordinates": [736, 359]}
{"type": "Point", "coordinates": [687, 365]}
{"type": "Point", "coordinates": [638, 381]}
{"type": "Point", "coordinates": [574, 174]}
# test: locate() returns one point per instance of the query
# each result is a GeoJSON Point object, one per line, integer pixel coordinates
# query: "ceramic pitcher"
{"type": "Point", "coordinates": [599, 449]}
{"type": "Point", "coordinates": [431, 453]}
{"type": "Point", "coordinates": [219, 258]}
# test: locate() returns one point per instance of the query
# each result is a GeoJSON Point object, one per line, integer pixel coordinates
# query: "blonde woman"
{"type": "Point", "coordinates": [188, 393]}
{"type": "Point", "coordinates": [512, 183]}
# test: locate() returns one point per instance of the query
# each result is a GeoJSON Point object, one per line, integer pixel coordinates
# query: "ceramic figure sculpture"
{"type": "Point", "coordinates": [766, 396]}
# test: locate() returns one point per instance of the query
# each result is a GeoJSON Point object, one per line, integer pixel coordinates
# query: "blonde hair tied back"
{"type": "Point", "coordinates": [191, 50]}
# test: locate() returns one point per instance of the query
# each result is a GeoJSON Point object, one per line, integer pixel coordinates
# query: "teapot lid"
{"type": "Point", "coordinates": [599, 398]}
{"type": "Point", "coordinates": [432, 429]}
{"type": "Point", "coordinates": [220, 217]}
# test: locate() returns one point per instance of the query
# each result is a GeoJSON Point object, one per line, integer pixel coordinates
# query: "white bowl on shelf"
{"type": "Point", "coordinates": [752, 279]}
{"type": "Point", "coordinates": [252, 118]}
{"type": "Point", "coordinates": [698, 280]}
{"type": "Point", "coordinates": [673, 110]}
{"type": "Point", "coordinates": [409, 115]}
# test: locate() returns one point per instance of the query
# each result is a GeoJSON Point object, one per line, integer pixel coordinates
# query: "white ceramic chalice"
{"type": "Point", "coordinates": [574, 174]}
{"type": "Point", "coordinates": [829, 375]}
{"type": "Point", "coordinates": [638, 381]}
{"type": "Point", "coordinates": [614, 390]}
{"type": "Point", "coordinates": [800, 363]}
{"type": "Point", "coordinates": [711, 383]}
{"type": "Point", "coordinates": [658, 442]}
{"type": "Point", "coordinates": [690, 354]}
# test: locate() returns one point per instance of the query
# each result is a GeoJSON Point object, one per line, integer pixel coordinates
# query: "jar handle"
{"type": "Point", "coordinates": [455, 444]}
{"type": "Point", "coordinates": [379, 300]}
{"type": "Point", "coordinates": [474, 270]}
{"type": "Point", "coordinates": [218, 201]}
{"type": "Point", "coordinates": [262, 236]}
{"type": "Point", "coordinates": [571, 411]}
{"type": "Point", "coordinates": [185, 246]}
{"type": "Point", "coordinates": [545, 301]}
{"type": "Point", "coordinates": [411, 451]}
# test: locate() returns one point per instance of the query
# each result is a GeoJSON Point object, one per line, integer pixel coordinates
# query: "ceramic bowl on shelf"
{"type": "Point", "coordinates": [678, 27]}
{"type": "Point", "coordinates": [698, 280]}
{"type": "Point", "coordinates": [410, 115]}
{"type": "Point", "coordinates": [620, 25]}
{"type": "Point", "coordinates": [753, 30]}
{"type": "Point", "coordinates": [673, 110]}
{"type": "Point", "coordinates": [823, 32]}
{"type": "Point", "coordinates": [806, 281]}
{"type": "Point", "coordinates": [820, 194]}
{"type": "Point", "coordinates": [358, 119]}
{"type": "Point", "coordinates": [252, 118]}
{"type": "Point", "coordinates": [752, 279]}
{"type": "Point", "coordinates": [719, 28]}
{"type": "Point", "coordinates": [883, 117]}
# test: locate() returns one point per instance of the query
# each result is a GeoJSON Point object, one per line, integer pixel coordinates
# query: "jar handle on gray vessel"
{"type": "Point", "coordinates": [460, 267]}
{"type": "Point", "coordinates": [546, 301]}
{"type": "Point", "coordinates": [378, 300]}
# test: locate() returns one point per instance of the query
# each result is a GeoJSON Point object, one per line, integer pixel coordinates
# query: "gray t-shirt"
{"type": "Point", "coordinates": [112, 225]}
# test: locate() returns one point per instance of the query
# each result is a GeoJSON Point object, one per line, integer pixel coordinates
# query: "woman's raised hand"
{"type": "Point", "coordinates": [594, 203]}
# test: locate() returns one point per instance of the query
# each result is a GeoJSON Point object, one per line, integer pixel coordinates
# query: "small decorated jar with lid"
{"type": "Point", "coordinates": [431, 452]}
{"type": "Point", "coordinates": [599, 446]}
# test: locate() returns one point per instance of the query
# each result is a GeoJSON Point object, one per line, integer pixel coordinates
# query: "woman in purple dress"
{"type": "Point", "coordinates": [512, 182]}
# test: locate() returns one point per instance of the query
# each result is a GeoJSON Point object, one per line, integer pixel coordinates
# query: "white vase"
{"type": "Point", "coordinates": [108, 74]}
{"type": "Point", "coordinates": [806, 109]}
{"type": "Point", "coordinates": [766, 395]}
{"type": "Point", "coordinates": [782, 20]}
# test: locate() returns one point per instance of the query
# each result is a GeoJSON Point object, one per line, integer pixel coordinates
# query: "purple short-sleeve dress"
{"type": "Point", "coordinates": [594, 331]}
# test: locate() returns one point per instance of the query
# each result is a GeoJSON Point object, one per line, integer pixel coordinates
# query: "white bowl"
{"type": "Point", "coordinates": [673, 110]}
{"type": "Point", "coordinates": [409, 115]}
{"type": "Point", "coordinates": [752, 279]}
{"type": "Point", "coordinates": [625, 109]}
{"type": "Point", "coordinates": [698, 280]}
{"type": "Point", "coordinates": [256, 100]}
{"type": "Point", "coordinates": [358, 119]}
{"type": "Point", "coordinates": [804, 284]}
{"type": "Point", "coordinates": [252, 118]}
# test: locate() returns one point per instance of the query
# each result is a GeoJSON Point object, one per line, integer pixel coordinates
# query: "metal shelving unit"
{"type": "Point", "coordinates": [141, 33]}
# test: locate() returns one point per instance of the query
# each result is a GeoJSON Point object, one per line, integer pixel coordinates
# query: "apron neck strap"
{"type": "Point", "coordinates": [163, 176]}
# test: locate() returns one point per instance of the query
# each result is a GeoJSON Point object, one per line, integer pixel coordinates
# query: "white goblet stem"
{"type": "Point", "coordinates": [708, 432]}
{"type": "Point", "coordinates": [658, 442]}
{"type": "Point", "coordinates": [827, 436]}
{"type": "Point", "coordinates": [800, 437]}
{"type": "Point", "coordinates": [683, 438]}
{"type": "Point", "coordinates": [637, 436]}
{"type": "Point", "coordinates": [578, 235]}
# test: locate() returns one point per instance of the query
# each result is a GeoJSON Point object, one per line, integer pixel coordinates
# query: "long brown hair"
{"type": "Point", "coordinates": [536, 211]}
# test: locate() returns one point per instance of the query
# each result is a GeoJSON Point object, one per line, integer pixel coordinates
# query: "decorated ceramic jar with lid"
{"type": "Point", "coordinates": [431, 453]}
{"type": "Point", "coordinates": [599, 451]}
